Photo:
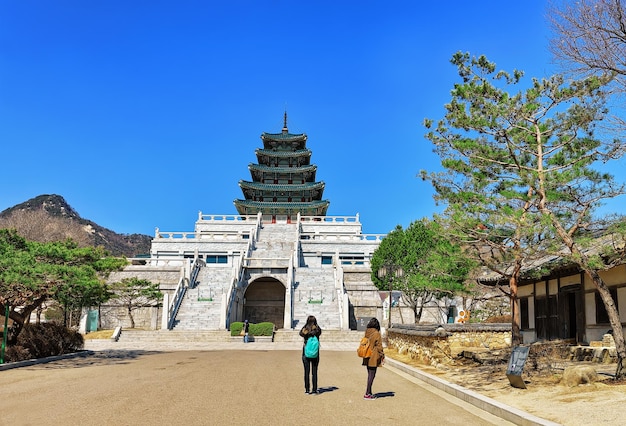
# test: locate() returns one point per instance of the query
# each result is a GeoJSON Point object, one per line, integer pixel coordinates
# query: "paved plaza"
{"type": "Point", "coordinates": [227, 384]}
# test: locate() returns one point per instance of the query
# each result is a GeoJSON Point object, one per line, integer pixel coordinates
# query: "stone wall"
{"type": "Point", "coordinates": [442, 344]}
{"type": "Point", "coordinates": [148, 318]}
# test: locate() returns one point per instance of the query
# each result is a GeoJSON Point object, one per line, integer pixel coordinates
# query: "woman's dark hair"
{"type": "Point", "coordinates": [311, 323]}
{"type": "Point", "coordinates": [374, 324]}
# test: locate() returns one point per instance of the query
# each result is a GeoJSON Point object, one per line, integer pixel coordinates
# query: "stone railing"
{"type": "Point", "coordinates": [338, 236]}
{"type": "Point", "coordinates": [442, 344]}
{"type": "Point", "coordinates": [225, 218]}
{"type": "Point", "coordinates": [203, 235]}
{"type": "Point", "coordinates": [257, 262]}
{"type": "Point", "coordinates": [329, 219]}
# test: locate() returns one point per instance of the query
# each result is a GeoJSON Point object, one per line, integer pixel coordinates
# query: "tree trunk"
{"type": "Point", "coordinates": [420, 311]}
{"type": "Point", "coordinates": [516, 334]}
{"type": "Point", "coordinates": [400, 309]}
{"type": "Point", "coordinates": [132, 320]}
{"type": "Point", "coordinates": [616, 324]}
{"type": "Point", "coordinates": [99, 316]}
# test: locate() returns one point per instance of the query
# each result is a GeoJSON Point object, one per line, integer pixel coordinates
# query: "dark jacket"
{"type": "Point", "coordinates": [378, 355]}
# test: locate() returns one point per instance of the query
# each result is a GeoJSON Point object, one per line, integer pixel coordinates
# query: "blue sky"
{"type": "Point", "coordinates": [142, 113]}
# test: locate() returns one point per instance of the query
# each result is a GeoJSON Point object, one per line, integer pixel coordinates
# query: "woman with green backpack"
{"type": "Point", "coordinates": [311, 333]}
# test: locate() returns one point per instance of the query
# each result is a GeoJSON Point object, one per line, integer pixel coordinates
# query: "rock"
{"type": "Point", "coordinates": [579, 374]}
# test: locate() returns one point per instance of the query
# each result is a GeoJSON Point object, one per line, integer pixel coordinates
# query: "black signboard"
{"type": "Point", "coordinates": [516, 366]}
{"type": "Point", "coordinates": [361, 323]}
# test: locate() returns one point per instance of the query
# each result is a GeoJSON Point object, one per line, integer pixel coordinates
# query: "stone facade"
{"type": "Point", "coordinates": [233, 268]}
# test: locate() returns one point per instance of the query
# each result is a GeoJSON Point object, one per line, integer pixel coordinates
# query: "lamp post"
{"type": "Point", "coordinates": [387, 273]}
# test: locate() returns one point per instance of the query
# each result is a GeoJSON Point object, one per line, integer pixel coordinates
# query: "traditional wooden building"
{"type": "Point", "coordinates": [565, 304]}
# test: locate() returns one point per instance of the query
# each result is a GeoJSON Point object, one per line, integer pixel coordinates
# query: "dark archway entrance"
{"type": "Point", "coordinates": [265, 302]}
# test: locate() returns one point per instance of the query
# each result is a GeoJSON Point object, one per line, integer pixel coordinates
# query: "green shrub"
{"type": "Point", "coordinates": [260, 329]}
{"type": "Point", "coordinates": [43, 340]}
{"type": "Point", "coordinates": [235, 328]}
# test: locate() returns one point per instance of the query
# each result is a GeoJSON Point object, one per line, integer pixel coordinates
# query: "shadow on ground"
{"type": "Point", "coordinates": [81, 359]}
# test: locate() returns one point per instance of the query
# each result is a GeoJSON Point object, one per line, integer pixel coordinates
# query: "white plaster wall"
{"type": "Point", "coordinates": [531, 313]}
{"type": "Point", "coordinates": [621, 303]}
{"type": "Point", "coordinates": [590, 308]}
{"type": "Point", "coordinates": [570, 280]}
{"type": "Point", "coordinates": [614, 276]}
{"type": "Point", "coordinates": [541, 289]}
{"type": "Point", "coordinates": [524, 291]}
{"type": "Point", "coordinates": [553, 286]}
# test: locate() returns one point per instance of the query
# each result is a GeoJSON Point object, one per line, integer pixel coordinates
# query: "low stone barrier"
{"type": "Point", "coordinates": [442, 344]}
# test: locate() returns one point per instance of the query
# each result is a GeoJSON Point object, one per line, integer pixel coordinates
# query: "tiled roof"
{"type": "Point", "coordinates": [282, 187]}
{"type": "Point", "coordinates": [288, 170]}
{"type": "Point", "coordinates": [284, 154]}
{"type": "Point", "coordinates": [553, 262]}
{"type": "Point", "coordinates": [317, 208]}
{"type": "Point", "coordinates": [284, 136]}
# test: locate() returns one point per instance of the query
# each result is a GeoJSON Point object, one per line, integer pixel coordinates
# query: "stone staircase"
{"type": "Point", "coordinates": [201, 306]}
{"type": "Point", "coordinates": [276, 241]}
{"type": "Point", "coordinates": [315, 294]}
{"type": "Point", "coordinates": [173, 336]}
{"type": "Point", "coordinates": [166, 340]}
{"type": "Point", "coordinates": [314, 290]}
{"type": "Point", "coordinates": [328, 335]}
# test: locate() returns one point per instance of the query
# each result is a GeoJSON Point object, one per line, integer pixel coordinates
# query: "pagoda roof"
{"type": "Point", "coordinates": [314, 208]}
{"type": "Point", "coordinates": [283, 154]}
{"type": "Point", "coordinates": [284, 136]}
{"type": "Point", "coordinates": [284, 140]}
{"type": "Point", "coordinates": [282, 187]}
{"type": "Point", "coordinates": [286, 170]}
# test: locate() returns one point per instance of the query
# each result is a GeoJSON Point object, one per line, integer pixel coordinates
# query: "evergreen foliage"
{"type": "Point", "coordinates": [434, 267]}
{"type": "Point", "coordinates": [521, 176]}
{"type": "Point", "coordinates": [32, 273]}
{"type": "Point", "coordinates": [135, 293]}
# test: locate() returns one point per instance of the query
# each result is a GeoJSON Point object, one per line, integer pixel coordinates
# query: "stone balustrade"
{"type": "Point", "coordinates": [225, 217]}
{"type": "Point", "coordinates": [269, 262]}
{"type": "Point", "coordinates": [314, 236]}
{"type": "Point", "coordinates": [329, 219]}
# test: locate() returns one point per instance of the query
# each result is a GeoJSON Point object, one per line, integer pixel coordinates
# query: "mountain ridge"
{"type": "Point", "coordinates": [49, 217]}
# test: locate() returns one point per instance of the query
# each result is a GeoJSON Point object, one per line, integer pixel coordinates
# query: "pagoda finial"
{"type": "Point", "coordinates": [285, 123]}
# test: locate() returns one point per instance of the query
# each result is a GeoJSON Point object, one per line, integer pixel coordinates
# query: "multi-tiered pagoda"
{"type": "Point", "coordinates": [283, 181]}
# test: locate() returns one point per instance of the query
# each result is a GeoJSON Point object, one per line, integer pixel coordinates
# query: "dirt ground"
{"type": "Point", "coordinates": [603, 402]}
{"type": "Point", "coordinates": [220, 387]}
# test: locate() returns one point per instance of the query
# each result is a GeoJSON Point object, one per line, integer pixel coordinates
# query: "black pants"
{"type": "Point", "coordinates": [371, 374]}
{"type": "Point", "coordinates": [308, 362]}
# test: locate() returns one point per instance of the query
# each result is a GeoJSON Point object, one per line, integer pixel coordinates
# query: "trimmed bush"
{"type": "Point", "coordinates": [260, 329]}
{"type": "Point", "coordinates": [43, 340]}
{"type": "Point", "coordinates": [263, 329]}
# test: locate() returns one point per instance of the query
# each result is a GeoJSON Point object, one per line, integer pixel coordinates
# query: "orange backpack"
{"type": "Point", "coordinates": [365, 348]}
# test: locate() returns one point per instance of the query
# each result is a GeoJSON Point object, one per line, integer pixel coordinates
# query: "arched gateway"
{"type": "Point", "coordinates": [264, 301]}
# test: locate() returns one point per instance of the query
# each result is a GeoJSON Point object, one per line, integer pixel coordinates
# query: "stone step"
{"type": "Point", "coordinates": [328, 335]}
{"type": "Point", "coordinates": [130, 335]}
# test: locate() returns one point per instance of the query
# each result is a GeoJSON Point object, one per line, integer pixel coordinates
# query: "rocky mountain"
{"type": "Point", "coordinates": [50, 218]}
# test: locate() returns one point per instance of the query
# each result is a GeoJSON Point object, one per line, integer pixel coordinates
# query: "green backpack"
{"type": "Point", "coordinates": [312, 347]}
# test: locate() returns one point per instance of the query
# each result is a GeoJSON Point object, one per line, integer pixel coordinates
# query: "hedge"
{"type": "Point", "coordinates": [260, 329]}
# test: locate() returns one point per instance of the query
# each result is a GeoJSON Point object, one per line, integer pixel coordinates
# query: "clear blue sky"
{"type": "Point", "coordinates": [142, 113]}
